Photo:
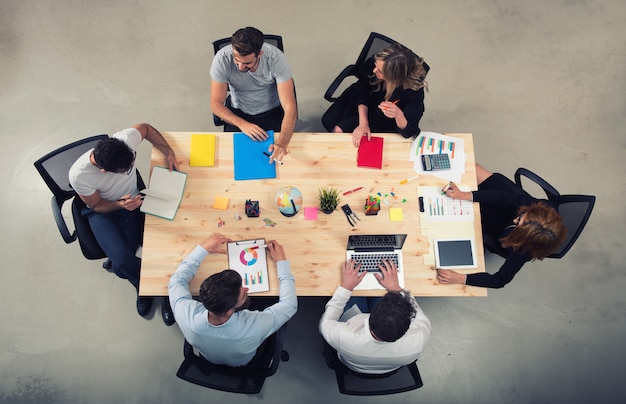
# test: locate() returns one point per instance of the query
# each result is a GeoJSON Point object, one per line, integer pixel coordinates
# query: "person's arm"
{"type": "Point", "coordinates": [363, 129]}
{"type": "Point", "coordinates": [287, 96]}
{"type": "Point", "coordinates": [513, 263]}
{"type": "Point", "coordinates": [97, 204]}
{"type": "Point", "coordinates": [178, 285]}
{"type": "Point", "coordinates": [288, 301]}
{"type": "Point", "coordinates": [219, 91]}
{"type": "Point", "coordinates": [155, 137]}
{"type": "Point", "coordinates": [406, 112]}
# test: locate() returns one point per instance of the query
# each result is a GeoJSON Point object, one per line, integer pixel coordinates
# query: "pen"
{"type": "Point", "coordinates": [126, 199]}
{"type": "Point", "coordinates": [352, 190]}
{"type": "Point", "coordinates": [409, 179]}
{"type": "Point", "coordinates": [446, 188]}
{"type": "Point", "coordinates": [258, 246]}
{"type": "Point", "coordinates": [268, 155]}
{"type": "Point", "coordinates": [393, 102]}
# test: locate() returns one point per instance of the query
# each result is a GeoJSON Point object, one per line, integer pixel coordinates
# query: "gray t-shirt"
{"type": "Point", "coordinates": [252, 92]}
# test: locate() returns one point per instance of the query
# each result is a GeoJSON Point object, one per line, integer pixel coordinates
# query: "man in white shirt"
{"type": "Point", "coordinates": [105, 178]}
{"type": "Point", "coordinates": [394, 334]}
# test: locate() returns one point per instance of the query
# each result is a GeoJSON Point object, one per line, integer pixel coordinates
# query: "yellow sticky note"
{"type": "Point", "coordinates": [202, 152]}
{"type": "Point", "coordinates": [221, 202]}
{"type": "Point", "coordinates": [395, 214]}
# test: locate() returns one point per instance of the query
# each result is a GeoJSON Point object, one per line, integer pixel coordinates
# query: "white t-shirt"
{"type": "Point", "coordinates": [86, 178]}
{"type": "Point", "coordinates": [252, 92]}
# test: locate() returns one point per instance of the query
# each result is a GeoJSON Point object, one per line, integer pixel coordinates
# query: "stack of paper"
{"type": "Point", "coordinates": [436, 143]}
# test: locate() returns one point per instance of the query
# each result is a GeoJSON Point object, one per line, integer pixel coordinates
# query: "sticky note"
{"type": "Point", "coordinates": [310, 213]}
{"type": "Point", "coordinates": [221, 202]}
{"type": "Point", "coordinates": [395, 214]}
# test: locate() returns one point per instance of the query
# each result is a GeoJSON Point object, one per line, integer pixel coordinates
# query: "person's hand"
{"type": "Point", "coordinates": [277, 152]}
{"type": "Point", "coordinates": [351, 275]}
{"type": "Point", "coordinates": [454, 192]}
{"type": "Point", "coordinates": [449, 277]}
{"type": "Point", "coordinates": [216, 243]}
{"type": "Point", "coordinates": [172, 164]}
{"type": "Point", "coordinates": [390, 109]}
{"type": "Point", "coordinates": [276, 251]}
{"type": "Point", "coordinates": [253, 131]}
{"type": "Point", "coordinates": [359, 132]}
{"type": "Point", "coordinates": [389, 279]}
{"type": "Point", "coordinates": [131, 202]}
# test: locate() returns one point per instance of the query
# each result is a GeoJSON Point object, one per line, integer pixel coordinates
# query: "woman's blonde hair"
{"type": "Point", "coordinates": [402, 68]}
{"type": "Point", "coordinates": [541, 232]}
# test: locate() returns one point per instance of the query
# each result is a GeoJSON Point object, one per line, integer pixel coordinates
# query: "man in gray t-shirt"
{"type": "Point", "coordinates": [261, 88]}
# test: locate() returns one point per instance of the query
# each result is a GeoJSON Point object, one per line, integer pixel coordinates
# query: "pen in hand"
{"type": "Point", "coordinates": [268, 155]}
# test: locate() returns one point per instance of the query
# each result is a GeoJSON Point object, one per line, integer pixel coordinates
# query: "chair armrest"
{"type": "Point", "coordinates": [278, 349]}
{"type": "Point", "coordinates": [347, 71]}
{"type": "Point", "coordinates": [60, 220]}
{"type": "Point", "coordinates": [550, 191]}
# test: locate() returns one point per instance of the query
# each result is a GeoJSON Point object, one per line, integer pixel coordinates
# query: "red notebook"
{"type": "Point", "coordinates": [370, 152]}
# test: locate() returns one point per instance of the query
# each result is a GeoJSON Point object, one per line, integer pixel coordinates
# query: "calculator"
{"type": "Point", "coordinates": [432, 162]}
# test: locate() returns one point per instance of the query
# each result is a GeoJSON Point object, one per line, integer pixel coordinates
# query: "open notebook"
{"type": "Point", "coordinates": [164, 193]}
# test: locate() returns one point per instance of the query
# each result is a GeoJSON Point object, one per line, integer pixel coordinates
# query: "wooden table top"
{"type": "Point", "coordinates": [316, 249]}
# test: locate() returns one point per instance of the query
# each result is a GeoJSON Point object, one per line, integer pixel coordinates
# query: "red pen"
{"type": "Point", "coordinates": [352, 190]}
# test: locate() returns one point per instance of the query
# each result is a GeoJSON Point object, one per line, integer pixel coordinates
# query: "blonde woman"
{"type": "Point", "coordinates": [389, 99]}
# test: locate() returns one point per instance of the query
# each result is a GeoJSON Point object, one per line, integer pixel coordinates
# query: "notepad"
{"type": "Point", "coordinates": [164, 194]}
{"type": "Point", "coordinates": [249, 259]}
{"type": "Point", "coordinates": [221, 202]}
{"type": "Point", "coordinates": [250, 162]}
{"type": "Point", "coordinates": [370, 152]}
{"type": "Point", "coordinates": [202, 153]}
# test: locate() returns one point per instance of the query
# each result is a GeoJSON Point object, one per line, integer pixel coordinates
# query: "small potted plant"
{"type": "Point", "coordinates": [329, 199]}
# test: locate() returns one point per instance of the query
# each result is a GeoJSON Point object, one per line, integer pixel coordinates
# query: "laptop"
{"type": "Point", "coordinates": [369, 250]}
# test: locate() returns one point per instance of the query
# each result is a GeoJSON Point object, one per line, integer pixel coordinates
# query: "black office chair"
{"type": "Point", "coordinates": [54, 168]}
{"type": "Point", "coordinates": [575, 210]}
{"type": "Point", "coordinates": [375, 42]}
{"type": "Point", "coordinates": [195, 369]}
{"type": "Point", "coordinates": [275, 40]}
{"type": "Point", "coordinates": [405, 378]}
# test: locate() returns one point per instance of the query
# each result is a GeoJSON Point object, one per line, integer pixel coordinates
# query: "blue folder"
{"type": "Point", "coordinates": [250, 162]}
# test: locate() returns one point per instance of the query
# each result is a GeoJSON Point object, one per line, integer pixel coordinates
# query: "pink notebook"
{"type": "Point", "coordinates": [370, 152]}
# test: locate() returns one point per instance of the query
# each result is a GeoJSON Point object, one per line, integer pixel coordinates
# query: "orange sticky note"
{"type": "Point", "coordinates": [395, 214]}
{"type": "Point", "coordinates": [221, 202]}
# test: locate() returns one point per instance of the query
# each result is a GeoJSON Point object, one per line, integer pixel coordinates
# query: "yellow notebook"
{"type": "Point", "coordinates": [202, 152]}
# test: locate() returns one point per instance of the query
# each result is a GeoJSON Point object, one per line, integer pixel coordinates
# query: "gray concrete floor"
{"type": "Point", "coordinates": [539, 84]}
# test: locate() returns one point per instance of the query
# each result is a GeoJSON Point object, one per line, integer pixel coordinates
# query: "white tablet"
{"type": "Point", "coordinates": [455, 253]}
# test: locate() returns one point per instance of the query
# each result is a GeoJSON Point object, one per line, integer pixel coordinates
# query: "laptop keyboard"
{"type": "Point", "coordinates": [369, 262]}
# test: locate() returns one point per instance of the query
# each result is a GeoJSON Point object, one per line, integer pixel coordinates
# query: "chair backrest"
{"type": "Point", "coordinates": [195, 369]}
{"type": "Point", "coordinates": [575, 209]}
{"type": "Point", "coordinates": [403, 379]}
{"type": "Point", "coordinates": [275, 40]}
{"type": "Point", "coordinates": [55, 166]}
{"type": "Point", "coordinates": [375, 42]}
{"type": "Point", "coordinates": [406, 378]}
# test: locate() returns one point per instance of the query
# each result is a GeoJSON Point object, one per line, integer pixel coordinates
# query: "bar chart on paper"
{"type": "Point", "coordinates": [249, 258]}
{"type": "Point", "coordinates": [438, 207]}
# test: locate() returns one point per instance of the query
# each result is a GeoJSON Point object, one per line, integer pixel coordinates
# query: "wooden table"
{"type": "Point", "coordinates": [316, 249]}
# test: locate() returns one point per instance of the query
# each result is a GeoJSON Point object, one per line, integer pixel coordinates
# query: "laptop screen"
{"type": "Point", "coordinates": [373, 242]}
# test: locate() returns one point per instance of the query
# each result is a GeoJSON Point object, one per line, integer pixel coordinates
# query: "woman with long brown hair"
{"type": "Point", "coordinates": [528, 228]}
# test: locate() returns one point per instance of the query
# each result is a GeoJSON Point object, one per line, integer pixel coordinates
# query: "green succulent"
{"type": "Point", "coordinates": [329, 198]}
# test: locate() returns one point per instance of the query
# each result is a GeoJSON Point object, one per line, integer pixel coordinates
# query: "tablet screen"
{"type": "Point", "coordinates": [459, 253]}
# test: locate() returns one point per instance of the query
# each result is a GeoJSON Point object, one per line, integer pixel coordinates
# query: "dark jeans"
{"type": "Point", "coordinates": [270, 120]}
{"type": "Point", "coordinates": [119, 234]}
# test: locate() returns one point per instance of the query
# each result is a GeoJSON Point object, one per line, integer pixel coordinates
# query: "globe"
{"type": "Point", "coordinates": [289, 200]}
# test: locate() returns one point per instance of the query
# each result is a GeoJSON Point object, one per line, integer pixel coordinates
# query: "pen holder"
{"type": "Point", "coordinates": [371, 209]}
{"type": "Point", "coordinates": [252, 208]}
